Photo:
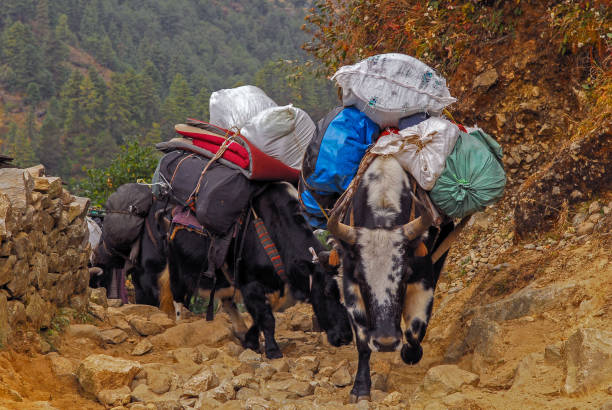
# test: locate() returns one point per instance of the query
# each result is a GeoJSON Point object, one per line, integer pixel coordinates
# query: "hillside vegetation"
{"type": "Point", "coordinates": [78, 78]}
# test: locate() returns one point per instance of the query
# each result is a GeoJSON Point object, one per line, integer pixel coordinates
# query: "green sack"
{"type": "Point", "coordinates": [473, 176]}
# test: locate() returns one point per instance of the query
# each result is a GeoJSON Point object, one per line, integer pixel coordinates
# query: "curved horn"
{"type": "Point", "coordinates": [95, 271]}
{"type": "Point", "coordinates": [414, 229]}
{"type": "Point", "coordinates": [341, 231]}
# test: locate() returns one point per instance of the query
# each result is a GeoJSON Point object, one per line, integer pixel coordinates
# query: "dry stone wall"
{"type": "Point", "coordinates": [44, 250]}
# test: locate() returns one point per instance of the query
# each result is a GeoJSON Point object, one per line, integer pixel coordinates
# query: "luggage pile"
{"type": "Point", "coordinates": [256, 137]}
{"type": "Point", "coordinates": [392, 105]}
{"type": "Point", "coordinates": [214, 168]}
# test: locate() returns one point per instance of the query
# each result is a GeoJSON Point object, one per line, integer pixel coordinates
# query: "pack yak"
{"type": "Point", "coordinates": [386, 242]}
{"type": "Point", "coordinates": [250, 270]}
{"type": "Point", "coordinates": [174, 268]}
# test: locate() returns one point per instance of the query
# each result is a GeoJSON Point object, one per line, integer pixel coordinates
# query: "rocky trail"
{"type": "Point", "coordinates": [515, 325]}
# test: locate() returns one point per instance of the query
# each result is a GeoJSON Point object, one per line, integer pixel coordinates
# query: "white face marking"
{"type": "Point", "coordinates": [379, 248]}
{"type": "Point", "coordinates": [384, 195]}
{"type": "Point", "coordinates": [416, 302]}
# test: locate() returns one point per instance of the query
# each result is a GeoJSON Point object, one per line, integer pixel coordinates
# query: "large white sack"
{"type": "Point", "coordinates": [281, 132]}
{"type": "Point", "coordinates": [231, 108]}
{"type": "Point", "coordinates": [387, 87]}
{"type": "Point", "coordinates": [421, 149]}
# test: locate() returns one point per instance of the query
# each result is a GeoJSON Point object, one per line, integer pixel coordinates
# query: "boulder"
{"type": "Point", "coordinates": [159, 381]}
{"type": "Point", "coordinates": [588, 358]}
{"type": "Point", "coordinates": [446, 379]}
{"type": "Point", "coordinates": [145, 327]}
{"type": "Point", "coordinates": [485, 80]}
{"type": "Point", "coordinates": [5, 329]}
{"type": "Point", "coordinates": [60, 365]}
{"type": "Point", "coordinates": [205, 380]}
{"type": "Point", "coordinates": [296, 387]}
{"type": "Point", "coordinates": [143, 347]}
{"type": "Point", "coordinates": [6, 269]}
{"type": "Point", "coordinates": [483, 338]}
{"type": "Point", "coordinates": [341, 377]}
{"type": "Point", "coordinates": [101, 372]}
{"type": "Point", "coordinates": [84, 330]}
{"type": "Point", "coordinates": [38, 312]}
{"type": "Point", "coordinates": [18, 186]}
{"type": "Point", "coordinates": [98, 296]}
{"type": "Point", "coordinates": [144, 311]}
{"type": "Point", "coordinates": [250, 357]}
{"type": "Point", "coordinates": [116, 397]}
{"type": "Point", "coordinates": [527, 301]}
{"type": "Point", "coordinates": [222, 393]}
{"type": "Point", "coordinates": [113, 336]}
{"type": "Point", "coordinates": [194, 333]}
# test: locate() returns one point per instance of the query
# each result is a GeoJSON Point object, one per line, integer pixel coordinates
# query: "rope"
{"type": "Point", "coordinates": [229, 138]}
{"type": "Point", "coordinates": [345, 199]}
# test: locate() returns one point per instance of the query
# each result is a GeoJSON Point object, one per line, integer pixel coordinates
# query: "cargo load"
{"type": "Point", "coordinates": [281, 132]}
{"type": "Point", "coordinates": [126, 210]}
{"type": "Point", "coordinates": [217, 197]}
{"type": "Point", "coordinates": [473, 177]}
{"type": "Point", "coordinates": [231, 108]}
{"type": "Point", "coordinates": [387, 87]}
{"type": "Point", "coordinates": [332, 159]}
{"type": "Point", "coordinates": [421, 149]}
{"type": "Point", "coordinates": [239, 153]}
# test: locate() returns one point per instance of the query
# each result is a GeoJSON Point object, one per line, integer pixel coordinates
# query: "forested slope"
{"type": "Point", "coordinates": [80, 77]}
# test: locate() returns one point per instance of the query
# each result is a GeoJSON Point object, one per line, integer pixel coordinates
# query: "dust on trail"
{"type": "Point", "coordinates": [496, 340]}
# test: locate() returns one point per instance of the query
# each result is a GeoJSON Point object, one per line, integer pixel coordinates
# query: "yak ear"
{"type": "Point", "coordinates": [329, 259]}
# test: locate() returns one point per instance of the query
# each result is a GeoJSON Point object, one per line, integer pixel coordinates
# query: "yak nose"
{"type": "Point", "coordinates": [386, 343]}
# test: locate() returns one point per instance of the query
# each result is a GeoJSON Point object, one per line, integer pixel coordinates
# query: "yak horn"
{"type": "Point", "coordinates": [414, 229]}
{"type": "Point", "coordinates": [341, 231]}
{"type": "Point", "coordinates": [95, 271]}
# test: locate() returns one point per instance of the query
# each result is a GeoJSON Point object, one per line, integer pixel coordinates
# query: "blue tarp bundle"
{"type": "Point", "coordinates": [343, 145]}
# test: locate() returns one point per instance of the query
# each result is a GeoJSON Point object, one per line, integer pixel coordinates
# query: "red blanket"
{"type": "Point", "coordinates": [258, 165]}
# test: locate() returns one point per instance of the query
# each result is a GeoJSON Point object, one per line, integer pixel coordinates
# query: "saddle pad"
{"type": "Point", "coordinates": [261, 167]}
{"type": "Point", "coordinates": [186, 218]}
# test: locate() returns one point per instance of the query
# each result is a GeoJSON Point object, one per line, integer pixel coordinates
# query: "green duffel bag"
{"type": "Point", "coordinates": [473, 177]}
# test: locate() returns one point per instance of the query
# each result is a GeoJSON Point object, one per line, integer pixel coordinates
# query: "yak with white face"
{"type": "Point", "coordinates": [385, 244]}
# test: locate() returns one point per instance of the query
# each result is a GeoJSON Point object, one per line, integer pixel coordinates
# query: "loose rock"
{"type": "Point", "coordinates": [445, 379]}
{"type": "Point", "coordinates": [101, 372]}
{"type": "Point", "coordinates": [588, 355]}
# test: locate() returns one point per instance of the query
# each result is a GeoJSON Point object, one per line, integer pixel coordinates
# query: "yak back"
{"type": "Point", "coordinates": [222, 194]}
{"type": "Point", "coordinates": [126, 210]}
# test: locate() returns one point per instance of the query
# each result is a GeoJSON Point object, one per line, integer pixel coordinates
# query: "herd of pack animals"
{"type": "Point", "coordinates": [374, 283]}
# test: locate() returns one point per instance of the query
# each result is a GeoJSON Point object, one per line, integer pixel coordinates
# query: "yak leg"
{"type": "Point", "coordinates": [239, 328]}
{"type": "Point", "coordinates": [258, 307]}
{"type": "Point", "coordinates": [166, 299]}
{"type": "Point", "coordinates": [417, 310]}
{"type": "Point", "coordinates": [363, 382]}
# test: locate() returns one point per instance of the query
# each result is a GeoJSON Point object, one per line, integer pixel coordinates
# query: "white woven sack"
{"type": "Point", "coordinates": [387, 87]}
{"type": "Point", "coordinates": [281, 132]}
{"type": "Point", "coordinates": [233, 107]}
{"type": "Point", "coordinates": [421, 149]}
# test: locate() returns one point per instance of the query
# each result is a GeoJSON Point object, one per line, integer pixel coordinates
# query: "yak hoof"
{"type": "Point", "coordinates": [274, 354]}
{"type": "Point", "coordinates": [353, 398]}
{"type": "Point", "coordinates": [411, 354]}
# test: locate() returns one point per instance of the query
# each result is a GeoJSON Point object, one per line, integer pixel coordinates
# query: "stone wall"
{"type": "Point", "coordinates": [43, 250]}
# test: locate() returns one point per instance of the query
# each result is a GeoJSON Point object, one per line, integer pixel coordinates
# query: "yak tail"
{"type": "Point", "coordinates": [166, 298]}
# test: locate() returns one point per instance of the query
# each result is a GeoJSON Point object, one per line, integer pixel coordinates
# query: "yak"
{"type": "Point", "coordinates": [171, 270]}
{"type": "Point", "coordinates": [386, 262]}
{"type": "Point", "coordinates": [251, 272]}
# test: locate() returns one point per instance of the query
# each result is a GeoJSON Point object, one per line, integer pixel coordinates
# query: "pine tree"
{"type": "Point", "coordinates": [22, 55]}
{"type": "Point", "coordinates": [63, 32]}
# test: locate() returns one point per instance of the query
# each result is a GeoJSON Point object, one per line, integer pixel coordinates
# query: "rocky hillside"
{"type": "Point", "coordinates": [514, 326]}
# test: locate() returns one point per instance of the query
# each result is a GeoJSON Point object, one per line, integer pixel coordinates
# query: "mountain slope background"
{"type": "Point", "coordinates": [78, 78]}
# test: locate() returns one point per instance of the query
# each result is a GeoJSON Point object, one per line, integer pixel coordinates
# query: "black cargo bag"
{"type": "Point", "coordinates": [126, 210]}
{"type": "Point", "coordinates": [222, 195]}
